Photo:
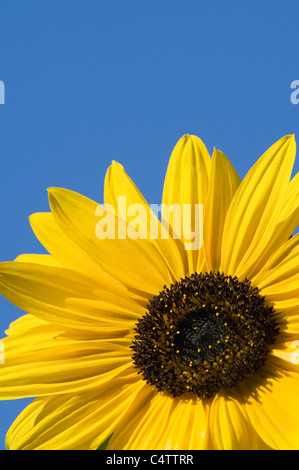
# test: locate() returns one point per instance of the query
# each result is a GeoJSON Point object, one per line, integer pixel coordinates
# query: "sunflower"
{"type": "Point", "coordinates": [149, 340]}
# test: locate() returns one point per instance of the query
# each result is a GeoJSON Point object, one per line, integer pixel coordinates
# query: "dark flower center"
{"type": "Point", "coordinates": [204, 333]}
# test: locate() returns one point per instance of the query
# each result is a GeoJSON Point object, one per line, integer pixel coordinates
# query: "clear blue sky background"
{"type": "Point", "coordinates": [90, 81]}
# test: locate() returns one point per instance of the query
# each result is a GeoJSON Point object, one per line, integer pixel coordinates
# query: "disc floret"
{"type": "Point", "coordinates": [201, 334]}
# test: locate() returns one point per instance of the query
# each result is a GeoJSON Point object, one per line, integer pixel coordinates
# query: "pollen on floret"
{"type": "Point", "coordinates": [219, 332]}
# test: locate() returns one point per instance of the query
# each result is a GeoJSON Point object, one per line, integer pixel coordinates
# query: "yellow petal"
{"type": "Point", "coordinates": [58, 295]}
{"type": "Point", "coordinates": [73, 422]}
{"type": "Point", "coordinates": [159, 422]}
{"type": "Point", "coordinates": [279, 281]}
{"type": "Point", "coordinates": [23, 323]}
{"type": "Point", "coordinates": [122, 194]}
{"type": "Point", "coordinates": [286, 313]}
{"type": "Point", "coordinates": [187, 183]}
{"type": "Point", "coordinates": [271, 403]}
{"type": "Point", "coordinates": [224, 182]}
{"type": "Point", "coordinates": [136, 263]}
{"type": "Point", "coordinates": [288, 351]}
{"type": "Point", "coordinates": [288, 316]}
{"type": "Point", "coordinates": [255, 210]}
{"type": "Point", "coordinates": [291, 205]}
{"type": "Point", "coordinates": [64, 250]}
{"type": "Point", "coordinates": [46, 359]}
{"type": "Point", "coordinates": [38, 259]}
{"type": "Point", "coordinates": [281, 267]}
{"type": "Point", "coordinates": [288, 220]}
{"type": "Point", "coordinates": [229, 425]}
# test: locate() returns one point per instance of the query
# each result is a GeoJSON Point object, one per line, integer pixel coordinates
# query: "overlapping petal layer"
{"type": "Point", "coordinates": [74, 349]}
{"type": "Point", "coordinates": [72, 421]}
{"type": "Point", "coordinates": [136, 263]}
{"type": "Point", "coordinates": [160, 422]}
{"type": "Point", "coordinates": [122, 194]}
{"type": "Point", "coordinates": [224, 182]}
{"type": "Point", "coordinates": [42, 358]}
{"type": "Point", "coordinates": [271, 405]}
{"type": "Point", "coordinates": [250, 232]}
{"type": "Point", "coordinates": [186, 183]}
{"type": "Point", "coordinates": [67, 297]}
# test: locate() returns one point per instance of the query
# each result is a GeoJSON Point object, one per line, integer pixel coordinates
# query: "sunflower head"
{"type": "Point", "coordinates": [204, 333]}
{"type": "Point", "coordinates": [160, 342]}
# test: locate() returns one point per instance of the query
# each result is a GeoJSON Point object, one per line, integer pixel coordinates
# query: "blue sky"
{"type": "Point", "coordinates": [87, 82]}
